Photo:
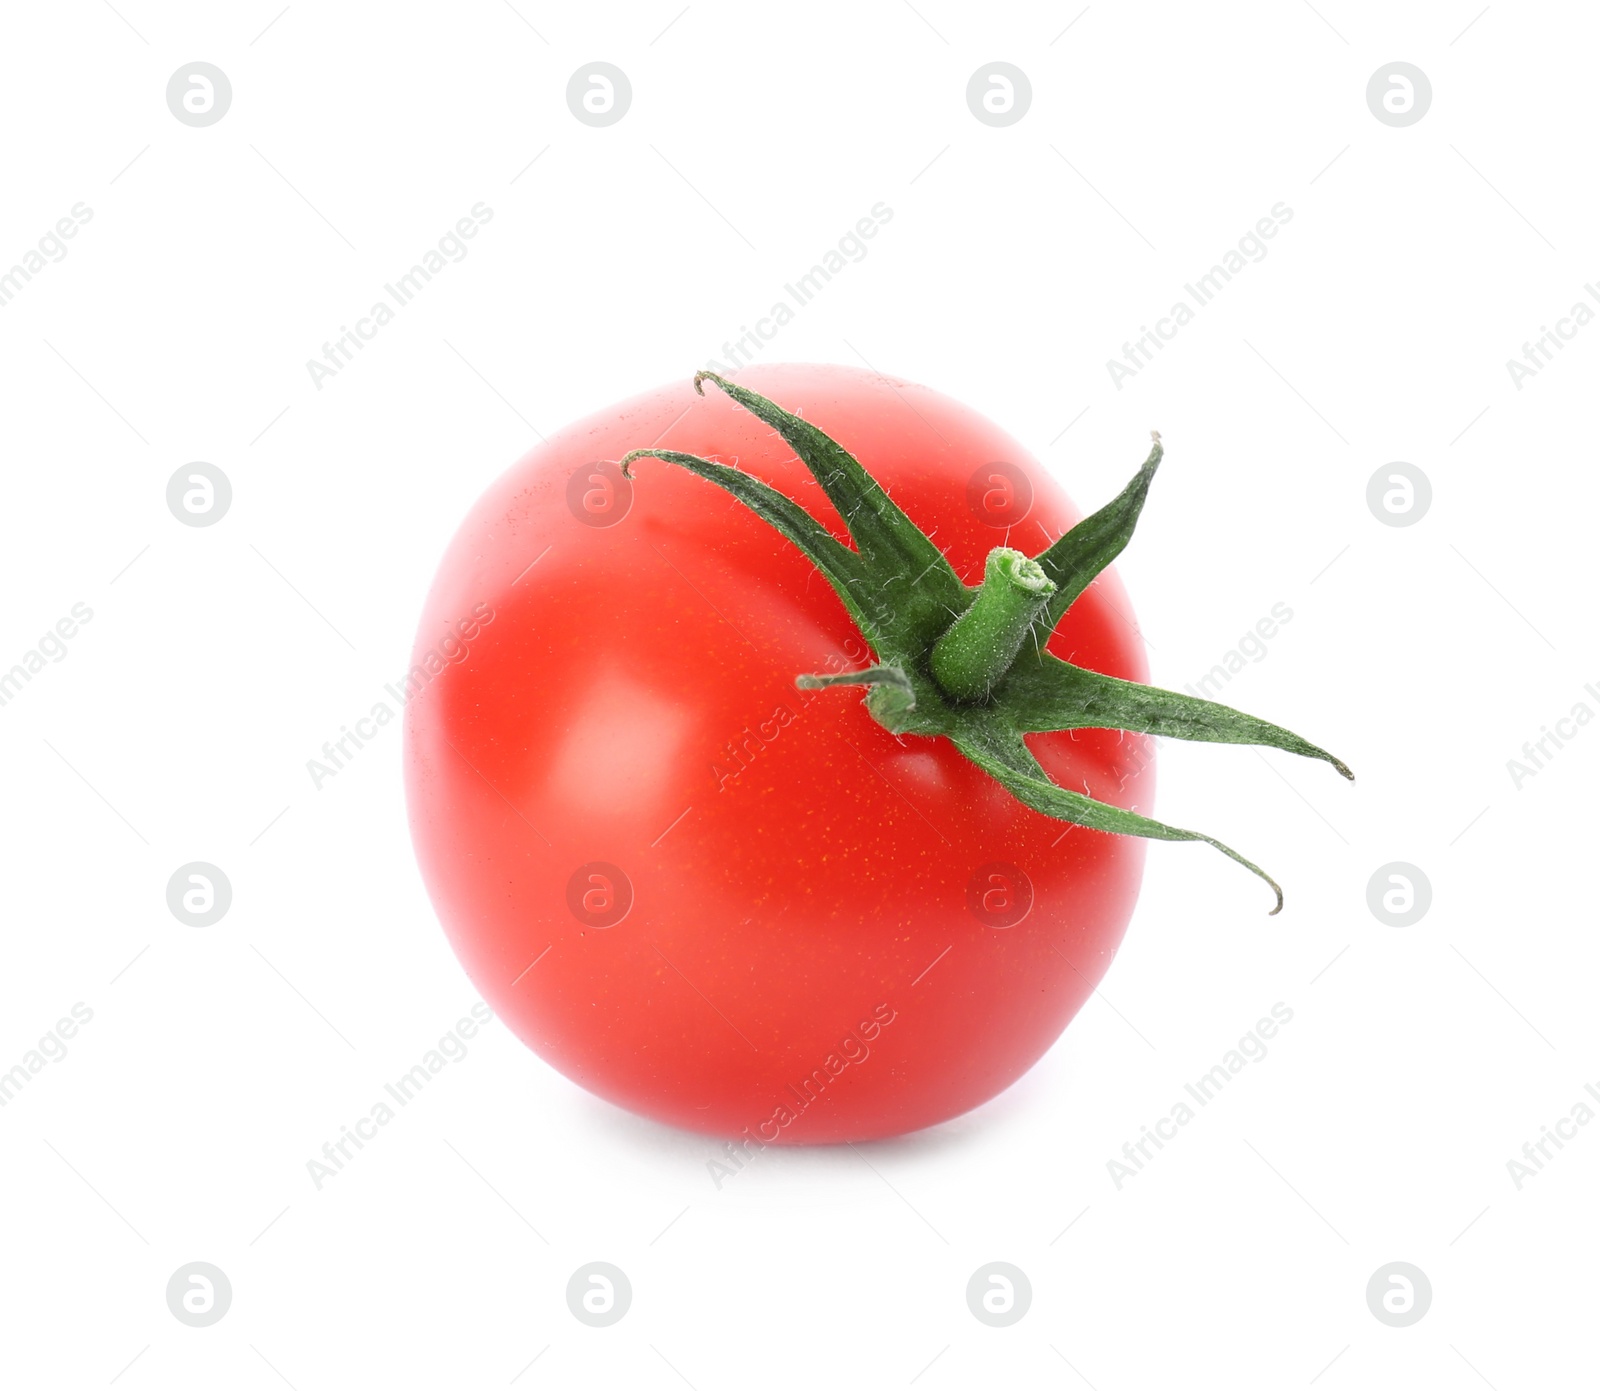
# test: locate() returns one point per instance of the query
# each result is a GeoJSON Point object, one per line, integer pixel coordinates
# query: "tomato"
{"type": "Point", "coordinates": [696, 890]}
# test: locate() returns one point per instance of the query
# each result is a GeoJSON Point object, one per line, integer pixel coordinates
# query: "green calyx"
{"type": "Point", "coordinates": [969, 664]}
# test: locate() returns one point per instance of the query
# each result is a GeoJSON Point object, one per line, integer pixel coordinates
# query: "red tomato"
{"type": "Point", "coordinates": [697, 891]}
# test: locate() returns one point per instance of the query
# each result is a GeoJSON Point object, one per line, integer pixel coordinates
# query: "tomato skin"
{"type": "Point", "coordinates": [809, 953]}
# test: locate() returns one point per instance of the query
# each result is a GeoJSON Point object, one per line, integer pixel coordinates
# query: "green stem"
{"type": "Point", "coordinates": [980, 646]}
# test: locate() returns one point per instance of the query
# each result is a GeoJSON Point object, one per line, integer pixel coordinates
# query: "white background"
{"type": "Point", "coordinates": [1019, 259]}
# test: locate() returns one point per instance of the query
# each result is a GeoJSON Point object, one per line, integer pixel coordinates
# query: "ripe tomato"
{"type": "Point", "coordinates": [697, 891]}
